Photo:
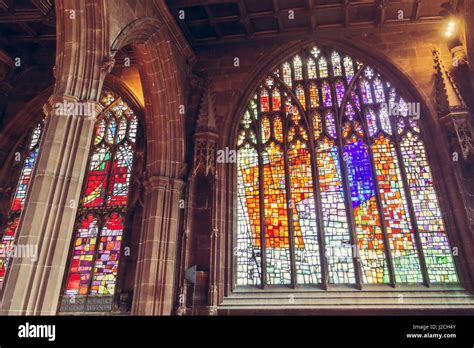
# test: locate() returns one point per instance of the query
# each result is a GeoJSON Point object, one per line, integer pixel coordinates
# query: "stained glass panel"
{"type": "Point", "coordinates": [301, 96]}
{"type": "Point", "coordinates": [82, 260]}
{"type": "Point", "coordinates": [99, 167]}
{"type": "Point", "coordinates": [336, 64]}
{"type": "Point", "coordinates": [111, 130]}
{"type": "Point", "coordinates": [366, 92]}
{"type": "Point", "coordinates": [379, 92]}
{"type": "Point", "coordinates": [336, 229]}
{"type": "Point", "coordinates": [327, 97]}
{"type": "Point", "coordinates": [349, 69]}
{"type": "Point", "coordinates": [276, 218]}
{"type": "Point", "coordinates": [248, 250]}
{"type": "Point", "coordinates": [99, 132]}
{"type": "Point", "coordinates": [340, 92]}
{"type": "Point", "coordinates": [121, 174]}
{"type": "Point", "coordinates": [436, 248]}
{"type": "Point", "coordinates": [265, 129]}
{"type": "Point", "coordinates": [367, 220]}
{"type": "Point", "coordinates": [385, 120]}
{"type": "Point", "coordinates": [307, 256]}
{"type": "Point", "coordinates": [323, 67]}
{"type": "Point", "coordinates": [298, 68]}
{"type": "Point", "coordinates": [312, 69]}
{"type": "Point", "coordinates": [313, 95]}
{"type": "Point", "coordinates": [6, 247]}
{"type": "Point", "coordinates": [108, 254]}
{"type": "Point", "coordinates": [287, 74]}
{"type": "Point", "coordinates": [371, 120]}
{"type": "Point", "coordinates": [132, 129]}
{"type": "Point", "coordinates": [397, 221]}
{"type": "Point", "coordinates": [317, 125]}
{"type": "Point", "coordinates": [264, 101]}
{"type": "Point", "coordinates": [24, 182]}
{"type": "Point", "coordinates": [276, 100]}
{"type": "Point", "coordinates": [278, 129]}
{"type": "Point", "coordinates": [330, 124]}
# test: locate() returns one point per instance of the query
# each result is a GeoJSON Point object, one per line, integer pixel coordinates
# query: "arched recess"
{"type": "Point", "coordinates": [162, 81]}
{"type": "Point", "coordinates": [437, 154]}
{"type": "Point", "coordinates": [162, 68]}
{"type": "Point", "coordinates": [13, 140]}
{"type": "Point", "coordinates": [20, 129]}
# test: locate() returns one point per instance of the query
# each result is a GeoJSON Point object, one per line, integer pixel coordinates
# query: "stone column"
{"type": "Point", "coordinates": [33, 286]}
{"type": "Point", "coordinates": [153, 294]}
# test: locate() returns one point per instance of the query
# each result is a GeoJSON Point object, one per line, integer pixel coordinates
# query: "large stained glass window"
{"type": "Point", "coordinates": [100, 226]}
{"type": "Point", "coordinates": [333, 181]}
{"type": "Point", "coordinates": [8, 235]}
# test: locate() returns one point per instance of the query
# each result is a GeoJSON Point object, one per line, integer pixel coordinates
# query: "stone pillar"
{"type": "Point", "coordinates": [33, 286]}
{"type": "Point", "coordinates": [154, 285]}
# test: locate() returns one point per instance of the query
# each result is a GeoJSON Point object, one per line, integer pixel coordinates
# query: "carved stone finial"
{"type": "Point", "coordinates": [452, 110]}
{"type": "Point", "coordinates": [448, 97]}
{"type": "Point", "coordinates": [207, 114]}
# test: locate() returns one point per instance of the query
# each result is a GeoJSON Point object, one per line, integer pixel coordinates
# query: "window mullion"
{"type": "Point", "coordinates": [261, 187]}
{"type": "Point", "coordinates": [289, 203]}
{"type": "Point", "coordinates": [344, 173]}
{"type": "Point", "coordinates": [315, 181]}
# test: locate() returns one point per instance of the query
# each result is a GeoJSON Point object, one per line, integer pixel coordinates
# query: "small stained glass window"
{"type": "Point", "coordinates": [100, 226]}
{"type": "Point", "coordinates": [9, 232]}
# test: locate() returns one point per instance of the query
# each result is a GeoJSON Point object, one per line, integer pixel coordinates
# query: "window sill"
{"type": "Point", "coordinates": [347, 300]}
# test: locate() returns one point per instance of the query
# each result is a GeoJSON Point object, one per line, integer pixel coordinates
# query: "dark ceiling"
{"type": "Point", "coordinates": [27, 27]}
{"type": "Point", "coordinates": [208, 22]}
{"type": "Point", "coordinates": [28, 30]}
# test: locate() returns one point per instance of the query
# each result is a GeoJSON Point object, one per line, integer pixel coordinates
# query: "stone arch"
{"type": "Point", "coordinates": [162, 68]}
{"type": "Point", "coordinates": [138, 31]}
{"type": "Point", "coordinates": [161, 80]}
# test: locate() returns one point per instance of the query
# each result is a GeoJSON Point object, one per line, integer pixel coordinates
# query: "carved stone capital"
{"type": "Point", "coordinates": [157, 182]}
{"type": "Point", "coordinates": [107, 65]}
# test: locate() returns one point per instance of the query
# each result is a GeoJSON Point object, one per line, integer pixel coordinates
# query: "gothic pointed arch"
{"type": "Point", "coordinates": [334, 183]}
